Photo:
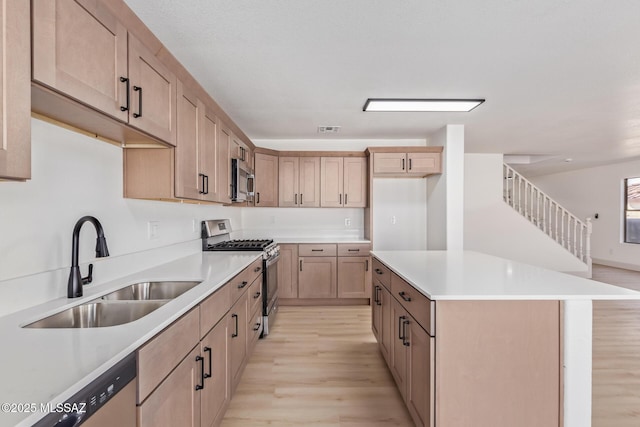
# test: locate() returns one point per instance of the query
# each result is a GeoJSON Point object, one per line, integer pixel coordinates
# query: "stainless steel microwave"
{"type": "Point", "coordinates": [242, 180]}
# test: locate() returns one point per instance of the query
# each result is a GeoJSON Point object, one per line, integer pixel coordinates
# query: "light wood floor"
{"type": "Point", "coordinates": [616, 353]}
{"type": "Point", "coordinates": [319, 367]}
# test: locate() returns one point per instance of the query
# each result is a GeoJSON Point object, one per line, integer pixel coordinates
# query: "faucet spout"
{"type": "Point", "coordinates": [76, 281]}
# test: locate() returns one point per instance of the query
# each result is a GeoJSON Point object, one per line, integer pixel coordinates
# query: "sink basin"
{"type": "Point", "coordinates": [98, 314]}
{"type": "Point", "coordinates": [151, 291]}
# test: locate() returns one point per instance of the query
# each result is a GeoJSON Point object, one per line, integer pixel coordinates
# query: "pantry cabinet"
{"type": "Point", "coordinates": [84, 52]}
{"type": "Point", "coordinates": [266, 180]}
{"type": "Point", "coordinates": [344, 182]}
{"type": "Point", "coordinates": [15, 91]}
{"type": "Point", "coordinates": [299, 181]}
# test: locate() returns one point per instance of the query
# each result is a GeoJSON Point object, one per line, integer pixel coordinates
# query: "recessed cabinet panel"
{"type": "Point", "coordinates": [317, 277]}
{"type": "Point", "coordinates": [332, 182]}
{"type": "Point", "coordinates": [389, 163]}
{"type": "Point", "coordinates": [424, 163]}
{"type": "Point", "coordinates": [353, 277]}
{"type": "Point", "coordinates": [309, 182]}
{"type": "Point", "coordinates": [288, 272]}
{"type": "Point", "coordinates": [266, 172]}
{"type": "Point", "coordinates": [209, 154]}
{"type": "Point", "coordinates": [288, 181]}
{"type": "Point", "coordinates": [188, 184]}
{"type": "Point", "coordinates": [355, 182]}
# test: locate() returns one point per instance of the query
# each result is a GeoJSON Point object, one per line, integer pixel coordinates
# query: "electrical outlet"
{"type": "Point", "coordinates": [347, 222]}
{"type": "Point", "coordinates": [393, 220]}
{"type": "Point", "coordinates": [153, 230]}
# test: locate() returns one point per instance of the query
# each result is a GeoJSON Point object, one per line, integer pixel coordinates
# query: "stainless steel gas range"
{"type": "Point", "coordinates": [216, 237]}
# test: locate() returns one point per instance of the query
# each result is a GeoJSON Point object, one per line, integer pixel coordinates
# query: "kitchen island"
{"type": "Point", "coordinates": [476, 340]}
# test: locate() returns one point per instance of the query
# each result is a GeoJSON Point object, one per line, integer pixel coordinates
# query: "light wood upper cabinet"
{"type": "Point", "coordinates": [344, 182]}
{"type": "Point", "coordinates": [407, 164]}
{"type": "Point", "coordinates": [266, 180]}
{"type": "Point", "coordinates": [189, 181]}
{"type": "Point", "coordinates": [80, 49]}
{"type": "Point", "coordinates": [299, 181]}
{"type": "Point", "coordinates": [209, 154]}
{"type": "Point", "coordinates": [224, 163]}
{"type": "Point", "coordinates": [15, 91]}
{"type": "Point", "coordinates": [241, 151]}
{"type": "Point", "coordinates": [152, 93]}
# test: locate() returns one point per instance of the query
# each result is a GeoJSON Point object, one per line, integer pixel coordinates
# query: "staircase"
{"type": "Point", "coordinates": [547, 215]}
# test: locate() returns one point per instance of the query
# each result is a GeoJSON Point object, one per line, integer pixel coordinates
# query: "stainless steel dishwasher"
{"type": "Point", "coordinates": [109, 400]}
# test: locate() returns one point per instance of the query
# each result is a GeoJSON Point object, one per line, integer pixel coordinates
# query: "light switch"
{"type": "Point", "coordinates": [153, 230]}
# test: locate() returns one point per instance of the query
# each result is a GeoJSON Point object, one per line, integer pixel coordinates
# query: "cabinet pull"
{"type": "Point", "coordinates": [296, 199]}
{"type": "Point", "coordinates": [353, 250]}
{"type": "Point", "coordinates": [300, 265]}
{"type": "Point", "coordinates": [257, 326]}
{"type": "Point", "coordinates": [402, 164]}
{"type": "Point", "coordinates": [401, 328]}
{"type": "Point", "coordinates": [201, 360]}
{"type": "Point", "coordinates": [208, 350]}
{"type": "Point", "coordinates": [378, 296]}
{"type": "Point", "coordinates": [235, 334]}
{"type": "Point", "coordinates": [243, 284]}
{"type": "Point", "coordinates": [317, 250]}
{"type": "Point", "coordinates": [366, 265]}
{"type": "Point", "coordinates": [257, 295]}
{"type": "Point", "coordinates": [404, 296]}
{"type": "Point", "coordinates": [255, 270]}
{"type": "Point", "coordinates": [405, 342]}
{"type": "Point", "coordinates": [300, 198]}
{"type": "Point", "coordinates": [345, 199]}
{"type": "Point", "coordinates": [139, 113]}
{"type": "Point", "coordinates": [409, 164]}
{"type": "Point", "coordinates": [201, 175]}
{"type": "Point", "coordinates": [257, 198]}
{"type": "Point", "coordinates": [125, 80]}
{"type": "Point", "coordinates": [378, 271]}
{"type": "Point", "coordinates": [206, 181]}
{"type": "Point", "coordinates": [340, 198]}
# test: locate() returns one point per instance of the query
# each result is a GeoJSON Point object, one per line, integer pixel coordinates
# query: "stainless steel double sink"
{"type": "Point", "coordinates": [118, 307]}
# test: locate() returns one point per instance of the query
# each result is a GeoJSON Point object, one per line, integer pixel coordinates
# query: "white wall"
{"type": "Point", "coordinates": [493, 227]}
{"type": "Point", "coordinates": [586, 192]}
{"type": "Point", "coordinates": [74, 175]}
{"type": "Point", "coordinates": [403, 201]}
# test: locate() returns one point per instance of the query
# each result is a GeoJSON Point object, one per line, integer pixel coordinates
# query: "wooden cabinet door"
{"type": "Point", "coordinates": [355, 182]}
{"type": "Point", "coordinates": [266, 181]}
{"type": "Point", "coordinates": [317, 277]}
{"type": "Point", "coordinates": [288, 175]}
{"type": "Point", "coordinates": [398, 360]}
{"type": "Point", "coordinates": [386, 324]}
{"type": "Point", "coordinates": [237, 332]}
{"type": "Point", "coordinates": [208, 153]}
{"type": "Point", "coordinates": [224, 163]}
{"type": "Point", "coordinates": [309, 182]}
{"type": "Point", "coordinates": [332, 182]}
{"type": "Point", "coordinates": [352, 277]}
{"type": "Point", "coordinates": [376, 311]}
{"type": "Point", "coordinates": [424, 163]}
{"type": "Point", "coordinates": [15, 90]}
{"type": "Point", "coordinates": [152, 93]}
{"type": "Point", "coordinates": [420, 381]}
{"type": "Point", "coordinates": [80, 49]}
{"type": "Point", "coordinates": [288, 272]}
{"type": "Point", "coordinates": [189, 182]}
{"type": "Point", "coordinates": [216, 394]}
{"type": "Point", "coordinates": [175, 402]}
{"type": "Point", "coordinates": [389, 163]}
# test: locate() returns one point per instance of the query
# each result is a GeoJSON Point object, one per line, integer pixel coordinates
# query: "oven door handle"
{"type": "Point", "coordinates": [272, 260]}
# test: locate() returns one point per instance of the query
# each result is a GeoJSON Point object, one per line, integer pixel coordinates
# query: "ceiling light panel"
{"type": "Point", "coordinates": [421, 105]}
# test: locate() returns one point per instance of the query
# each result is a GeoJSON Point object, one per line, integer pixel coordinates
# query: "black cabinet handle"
{"type": "Point", "coordinates": [257, 198]}
{"type": "Point", "coordinates": [378, 295]}
{"type": "Point", "coordinates": [255, 270]}
{"type": "Point", "coordinates": [366, 265]}
{"type": "Point", "coordinates": [208, 350]}
{"type": "Point", "coordinates": [409, 164]}
{"type": "Point", "coordinates": [375, 294]}
{"type": "Point", "coordinates": [378, 271]}
{"type": "Point", "coordinates": [235, 334]}
{"type": "Point", "coordinates": [353, 250]}
{"type": "Point", "coordinates": [402, 164]}
{"type": "Point", "coordinates": [404, 296]}
{"type": "Point", "coordinates": [345, 199]}
{"type": "Point", "coordinates": [300, 265]}
{"type": "Point", "coordinates": [125, 80]}
{"type": "Point", "coordinates": [206, 181]}
{"type": "Point", "coordinates": [139, 113]}
{"type": "Point", "coordinates": [300, 198]}
{"type": "Point", "coordinates": [296, 199]}
{"type": "Point", "coordinates": [243, 284]}
{"type": "Point", "coordinates": [257, 326]}
{"type": "Point", "coordinates": [340, 199]}
{"type": "Point", "coordinates": [400, 328]}
{"type": "Point", "coordinates": [405, 342]}
{"type": "Point", "coordinates": [201, 175]}
{"type": "Point", "coordinates": [257, 295]}
{"type": "Point", "coordinates": [317, 250]}
{"type": "Point", "coordinates": [201, 360]}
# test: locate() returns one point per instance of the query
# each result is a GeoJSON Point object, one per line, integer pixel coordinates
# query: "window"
{"type": "Point", "coordinates": [632, 210]}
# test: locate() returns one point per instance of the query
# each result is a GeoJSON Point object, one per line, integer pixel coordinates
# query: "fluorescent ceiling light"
{"type": "Point", "coordinates": [439, 105]}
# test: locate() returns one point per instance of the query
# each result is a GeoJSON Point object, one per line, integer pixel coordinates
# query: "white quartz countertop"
{"type": "Point", "coordinates": [43, 366]}
{"type": "Point", "coordinates": [285, 240]}
{"type": "Point", "coordinates": [467, 275]}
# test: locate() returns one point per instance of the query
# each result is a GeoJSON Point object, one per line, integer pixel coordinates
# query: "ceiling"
{"type": "Point", "coordinates": [561, 78]}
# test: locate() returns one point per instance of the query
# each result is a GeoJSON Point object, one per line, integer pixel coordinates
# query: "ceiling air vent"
{"type": "Point", "coordinates": [328, 129]}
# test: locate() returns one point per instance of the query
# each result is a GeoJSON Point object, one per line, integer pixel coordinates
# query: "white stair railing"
{"type": "Point", "coordinates": [548, 215]}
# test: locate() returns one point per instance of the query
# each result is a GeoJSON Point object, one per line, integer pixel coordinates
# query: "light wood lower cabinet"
{"type": "Point", "coordinates": [353, 277]}
{"type": "Point", "coordinates": [398, 360]}
{"type": "Point", "coordinates": [317, 277]}
{"type": "Point", "coordinates": [237, 333]}
{"type": "Point", "coordinates": [216, 393]}
{"type": "Point", "coordinates": [420, 373]}
{"type": "Point", "coordinates": [288, 272]}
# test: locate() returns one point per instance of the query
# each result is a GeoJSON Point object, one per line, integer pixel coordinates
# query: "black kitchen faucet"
{"type": "Point", "coordinates": [76, 281]}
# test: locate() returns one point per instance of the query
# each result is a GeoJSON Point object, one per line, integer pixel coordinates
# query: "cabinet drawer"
{"type": "Point", "coordinates": [354, 249]}
{"type": "Point", "coordinates": [382, 273]}
{"type": "Point", "coordinates": [254, 296]}
{"type": "Point", "coordinates": [158, 357]}
{"type": "Point", "coordinates": [317, 250]}
{"type": "Point", "coordinates": [419, 306]}
{"type": "Point", "coordinates": [214, 308]}
{"type": "Point", "coordinates": [246, 277]}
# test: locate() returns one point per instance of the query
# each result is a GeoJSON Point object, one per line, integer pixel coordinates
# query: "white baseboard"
{"type": "Point", "coordinates": [616, 264]}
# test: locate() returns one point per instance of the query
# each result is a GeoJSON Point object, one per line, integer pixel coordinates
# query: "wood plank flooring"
{"type": "Point", "coordinates": [319, 367]}
{"type": "Point", "coordinates": [616, 353]}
